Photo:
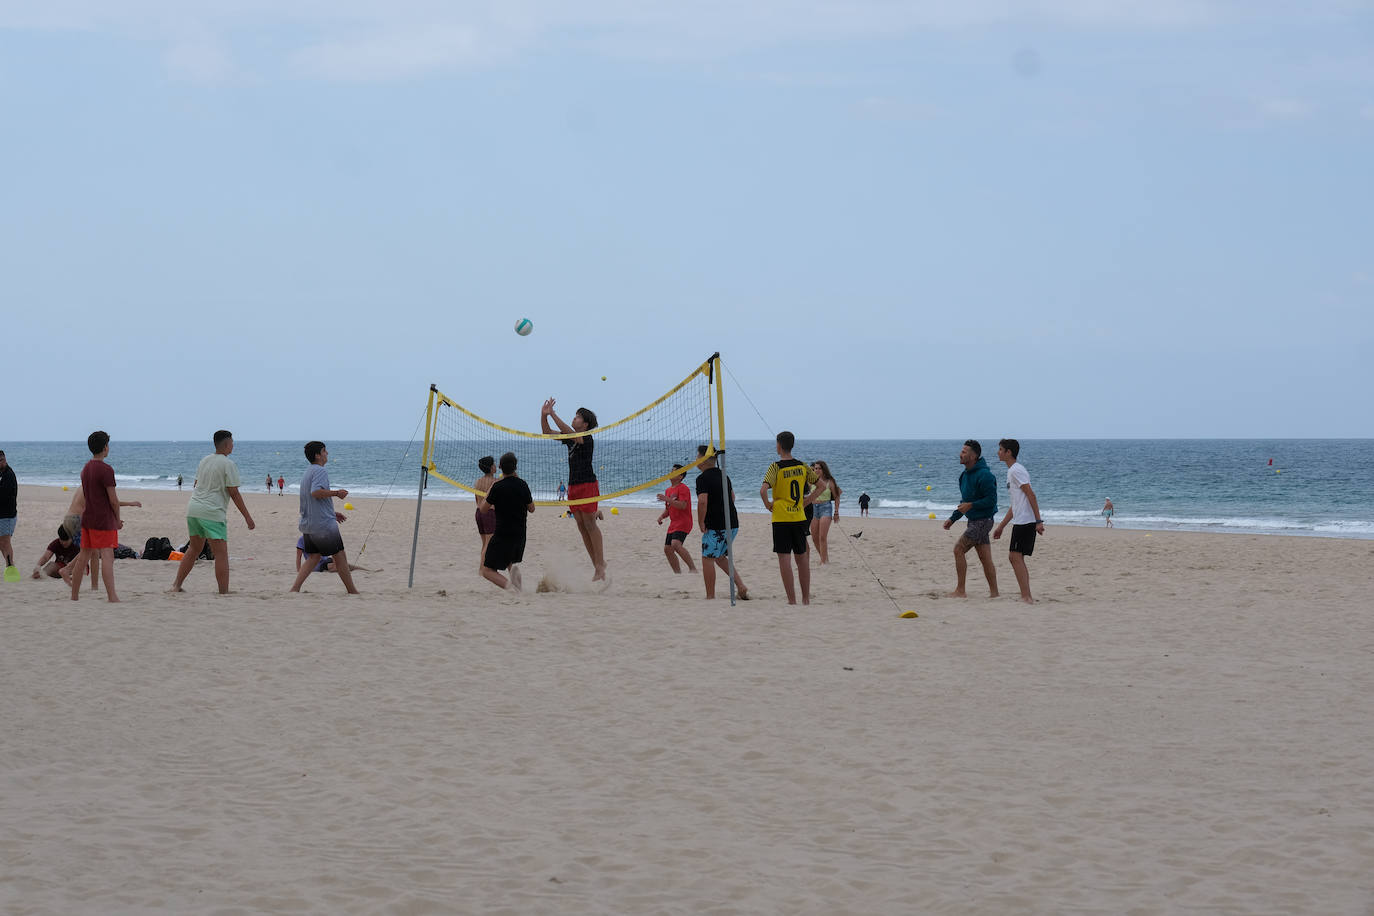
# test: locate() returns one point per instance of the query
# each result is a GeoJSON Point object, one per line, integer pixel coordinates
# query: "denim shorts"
{"type": "Point", "coordinates": [7, 525]}
{"type": "Point", "coordinates": [825, 509]}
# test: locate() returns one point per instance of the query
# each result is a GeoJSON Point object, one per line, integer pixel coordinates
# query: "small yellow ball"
{"type": "Point", "coordinates": [932, 515]}
{"type": "Point", "coordinates": [64, 489]}
{"type": "Point", "coordinates": [615, 511]}
{"type": "Point", "coordinates": [927, 486]}
{"type": "Point", "coordinates": [348, 506]}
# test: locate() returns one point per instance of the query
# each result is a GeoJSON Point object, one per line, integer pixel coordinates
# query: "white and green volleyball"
{"type": "Point", "coordinates": [523, 327]}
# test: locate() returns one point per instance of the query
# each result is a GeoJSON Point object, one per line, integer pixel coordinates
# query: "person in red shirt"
{"type": "Point", "coordinates": [281, 485]}
{"type": "Point", "coordinates": [677, 509]}
{"type": "Point", "coordinates": [100, 521]}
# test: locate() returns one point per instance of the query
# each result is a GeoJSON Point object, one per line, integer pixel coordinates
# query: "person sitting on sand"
{"type": "Point", "coordinates": [58, 556]}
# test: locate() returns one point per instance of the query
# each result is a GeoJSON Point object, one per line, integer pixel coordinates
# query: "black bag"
{"type": "Point", "coordinates": [125, 553]}
{"type": "Point", "coordinates": [205, 552]}
{"type": "Point", "coordinates": [157, 549]}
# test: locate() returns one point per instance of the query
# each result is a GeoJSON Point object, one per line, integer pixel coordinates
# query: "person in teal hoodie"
{"type": "Point", "coordinates": [978, 490]}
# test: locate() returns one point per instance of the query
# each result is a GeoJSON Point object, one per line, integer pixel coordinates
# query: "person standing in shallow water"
{"type": "Point", "coordinates": [1108, 510]}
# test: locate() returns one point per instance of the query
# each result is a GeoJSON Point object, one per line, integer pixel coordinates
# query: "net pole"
{"type": "Point", "coordinates": [424, 479]}
{"type": "Point", "coordinates": [724, 478]}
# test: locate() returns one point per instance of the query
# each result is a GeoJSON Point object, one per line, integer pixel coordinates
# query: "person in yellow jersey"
{"type": "Point", "coordinates": [792, 485]}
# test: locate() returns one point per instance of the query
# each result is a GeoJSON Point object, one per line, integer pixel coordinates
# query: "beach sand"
{"type": "Point", "coordinates": [1182, 723]}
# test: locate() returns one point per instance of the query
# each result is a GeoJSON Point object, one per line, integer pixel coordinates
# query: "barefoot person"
{"type": "Point", "coordinates": [716, 494]}
{"type": "Point", "coordinates": [1108, 510]}
{"type": "Point", "coordinates": [319, 523]}
{"type": "Point", "coordinates": [677, 509]}
{"type": "Point", "coordinates": [512, 502]}
{"type": "Point", "coordinates": [207, 514]}
{"type": "Point", "coordinates": [978, 490]}
{"type": "Point", "coordinates": [9, 511]}
{"type": "Point", "coordinates": [582, 483]}
{"type": "Point", "coordinates": [792, 488]}
{"type": "Point", "coordinates": [100, 521]}
{"type": "Point", "coordinates": [485, 515]}
{"type": "Point", "coordinates": [827, 509]}
{"type": "Point", "coordinates": [59, 555]}
{"type": "Point", "coordinates": [1024, 515]}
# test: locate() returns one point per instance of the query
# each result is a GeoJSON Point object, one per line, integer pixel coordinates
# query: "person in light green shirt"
{"type": "Point", "coordinates": [207, 514]}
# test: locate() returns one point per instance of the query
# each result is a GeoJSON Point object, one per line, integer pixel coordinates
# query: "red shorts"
{"type": "Point", "coordinates": [582, 491]}
{"type": "Point", "coordinates": [99, 540]}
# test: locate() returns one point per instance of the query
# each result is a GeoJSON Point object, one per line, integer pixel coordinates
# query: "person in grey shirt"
{"type": "Point", "coordinates": [319, 524]}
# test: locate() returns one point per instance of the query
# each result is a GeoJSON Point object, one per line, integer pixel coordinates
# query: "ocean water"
{"type": "Point", "coordinates": [1319, 487]}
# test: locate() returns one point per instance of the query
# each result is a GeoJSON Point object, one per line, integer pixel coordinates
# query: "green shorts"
{"type": "Point", "coordinates": [204, 528]}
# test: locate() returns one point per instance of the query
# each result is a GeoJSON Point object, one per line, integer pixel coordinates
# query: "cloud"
{"type": "Point", "coordinates": [391, 39]}
{"type": "Point", "coordinates": [394, 54]}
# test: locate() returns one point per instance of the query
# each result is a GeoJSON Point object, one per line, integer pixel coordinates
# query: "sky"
{"type": "Point", "coordinates": [1041, 219]}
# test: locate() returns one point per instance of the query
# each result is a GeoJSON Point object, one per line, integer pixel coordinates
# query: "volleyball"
{"type": "Point", "coordinates": [523, 327]}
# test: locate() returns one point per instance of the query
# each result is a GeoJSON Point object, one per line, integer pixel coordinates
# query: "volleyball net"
{"type": "Point", "coordinates": [630, 454]}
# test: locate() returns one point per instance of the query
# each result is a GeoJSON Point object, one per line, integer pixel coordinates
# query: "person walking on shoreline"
{"type": "Point", "coordinates": [978, 491]}
{"type": "Point", "coordinates": [1108, 510]}
{"type": "Point", "coordinates": [1024, 515]}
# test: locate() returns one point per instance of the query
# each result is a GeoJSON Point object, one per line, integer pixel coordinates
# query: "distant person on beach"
{"type": "Point", "coordinates": [677, 509]}
{"type": "Point", "coordinates": [788, 488]}
{"type": "Point", "coordinates": [512, 502]}
{"type": "Point", "coordinates": [281, 485]}
{"type": "Point", "coordinates": [485, 515]}
{"type": "Point", "coordinates": [863, 505]}
{"type": "Point", "coordinates": [100, 521]}
{"type": "Point", "coordinates": [319, 523]}
{"type": "Point", "coordinates": [827, 505]}
{"type": "Point", "coordinates": [1024, 515]}
{"type": "Point", "coordinates": [207, 513]}
{"type": "Point", "coordinates": [179, 478]}
{"type": "Point", "coordinates": [9, 508]}
{"type": "Point", "coordinates": [59, 555]}
{"type": "Point", "coordinates": [718, 528]}
{"type": "Point", "coordinates": [978, 490]}
{"type": "Point", "coordinates": [562, 491]}
{"type": "Point", "coordinates": [269, 482]}
{"type": "Point", "coordinates": [1108, 510]}
{"type": "Point", "coordinates": [582, 483]}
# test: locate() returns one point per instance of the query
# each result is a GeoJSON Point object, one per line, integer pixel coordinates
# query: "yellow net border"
{"type": "Point", "coordinates": [711, 369]}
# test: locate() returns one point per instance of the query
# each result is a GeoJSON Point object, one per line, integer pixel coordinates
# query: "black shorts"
{"type": "Point", "coordinates": [326, 545]}
{"type": "Point", "coordinates": [790, 537]}
{"type": "Point", "coordinates": [1023, 539]}
{"type": "Point", "coordinates": [679, 536]}
{"type": "Point", "coordinates": [503, 550]}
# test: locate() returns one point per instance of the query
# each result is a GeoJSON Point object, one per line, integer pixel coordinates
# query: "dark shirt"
{"type": "Point", "coordinates": [863, 501]}
{"type": "Point", "coordinates": [708, 483]}
{"type": "Point", "coordinates": [96, 479]}
{"type": "Point", "coordinates": [64, 555]}
{"type": "Point", "coordinates": [580, 467]}
{"type": "Point", "coordinates": [510, 497]}
{"type": "Point", "coordinates": [9, 493]}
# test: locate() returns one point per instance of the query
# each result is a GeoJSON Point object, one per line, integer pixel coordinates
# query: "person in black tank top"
{"type": "Point", "coordinates": [582, 483]}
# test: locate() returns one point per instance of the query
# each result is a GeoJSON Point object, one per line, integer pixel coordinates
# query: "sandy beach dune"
{"type": "Point", "coordinates": [1181, 724]}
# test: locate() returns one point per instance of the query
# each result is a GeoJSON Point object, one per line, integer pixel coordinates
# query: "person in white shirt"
{"type": "Point", "coordinates": [1024, 515]}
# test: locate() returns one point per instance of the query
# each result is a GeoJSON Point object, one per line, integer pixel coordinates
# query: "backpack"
{"type": "Point", "coordinates": [205, 552]}
{"type": "Point", "coordinates": [157, 549]}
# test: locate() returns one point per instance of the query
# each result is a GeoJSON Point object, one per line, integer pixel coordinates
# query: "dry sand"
{"type": "Point", "coordinates": [1181, 724]}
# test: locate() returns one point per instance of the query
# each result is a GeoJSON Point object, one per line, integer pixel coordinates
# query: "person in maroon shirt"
{"type": "Point", "coordinates": [60, 552]}
{"type": "Point", "coordinates": [100, 522]}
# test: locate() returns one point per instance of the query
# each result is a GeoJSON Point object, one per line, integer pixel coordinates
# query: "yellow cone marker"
{"type": "Point", "coordinates": [907, 615]}
{"type": "Point", "coordinates": [348, 506]}
{"type": "Point", "coordinates": [927, 486]}
{"type": "Point", "coordinates": [64, 489]}
{"type": "Point", "coordinates": [932, 515]}
{"type": "Point", "coordinates": [615, 511]}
